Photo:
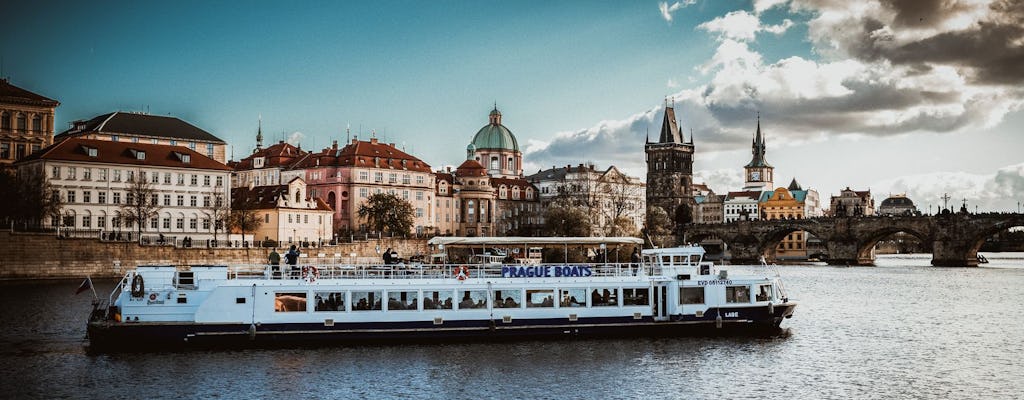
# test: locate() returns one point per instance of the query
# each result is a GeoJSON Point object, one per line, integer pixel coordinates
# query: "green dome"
{"type": "Point", "coordinates": [495, 136]}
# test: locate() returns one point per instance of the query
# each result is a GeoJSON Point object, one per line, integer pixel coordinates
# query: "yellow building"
{"type": "Point", "coordinates": [287, 213]}
{"type": "Point", "coordinates": [26, 122]}
{"type": "Point", "coordinates": [782, 204]}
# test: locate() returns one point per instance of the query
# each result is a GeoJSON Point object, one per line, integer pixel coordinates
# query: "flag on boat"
{"type": "Point", "coordinates": [86, 285]}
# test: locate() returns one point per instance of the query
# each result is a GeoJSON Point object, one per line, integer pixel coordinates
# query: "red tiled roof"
{"type": "Point", "coordinates": [280, 154]}
{"type": "Point", "coordinates": [265, 198]}
{"type": "Point", "coordinates": [13, 94]}
{"type": "Point", "coordinates": [162, 155]}
{"type": "Point", "coordinates": [470, 168]}
{"type": "Point", "coordinates": [363, 154]}
{"type": "Point", "coordinates": [754, 194]}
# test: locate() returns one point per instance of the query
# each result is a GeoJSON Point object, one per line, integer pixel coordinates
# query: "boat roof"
{"type": "Point", "coordinates": [680, 251]}
{"type": "Point", "coordinates": [524, 240]}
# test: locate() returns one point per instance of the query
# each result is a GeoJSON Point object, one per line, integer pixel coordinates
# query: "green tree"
{"type": "Point", "coordinates": [386, 212]}
{"type": "Point", "coordinates": [566, 221]}
{"type": "Point", "coordinates": [140, 205]}
{"type": "Point", "coordinates": [659, 227]}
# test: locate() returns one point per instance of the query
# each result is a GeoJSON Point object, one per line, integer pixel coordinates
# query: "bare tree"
{"type": "Point", "coordinates": [140, 203]}
{"type": "Point", "coordinates": [218, 209]}
{"type": "Point", "coordinates": [243, 216]}
{"type": "Point", "coordinates": [31, 198]}
{"type": "Point", "coordinates": [620, 196]}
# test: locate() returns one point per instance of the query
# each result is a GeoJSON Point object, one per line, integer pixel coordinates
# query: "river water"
{"type": "Point", "coordinates": [899, 330]}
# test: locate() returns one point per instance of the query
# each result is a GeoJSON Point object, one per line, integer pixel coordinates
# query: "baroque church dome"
{"type": "Point", "coordinates": [494, 135]}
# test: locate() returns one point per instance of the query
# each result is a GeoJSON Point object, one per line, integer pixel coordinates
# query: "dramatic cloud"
{"type": "Point", "coordinates": [891, 68]}
{"type": "Point", "coordinates": [992, 192]}
{"type": "Point", "coordinates": [741, 25]}
{"type": "Point", "coordinates": [667, 10]}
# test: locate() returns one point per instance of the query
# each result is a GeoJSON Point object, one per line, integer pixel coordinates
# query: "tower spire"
{"type": "Point", "coordinates": [259, 132]}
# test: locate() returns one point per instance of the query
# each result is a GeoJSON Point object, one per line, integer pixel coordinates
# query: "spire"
{"type": "Point", "coordinates": [669, 127]}
{"type": "Point", "coordinates": [691, 136]}
{"type": "Point", "coordinates": [495, 116]}
{"type": "Point", "coordinates": [259, 133]}
{"type": "Point", "coordinates": [758, 147]}
{"type": "Point", "coordinates": [794, 185]}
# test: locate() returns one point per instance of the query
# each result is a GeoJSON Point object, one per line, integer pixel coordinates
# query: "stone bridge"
{"type": "Point", "coordinates": [954, 238]}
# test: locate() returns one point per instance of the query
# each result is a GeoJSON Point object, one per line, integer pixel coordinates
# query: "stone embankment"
{"type": "Point", "coordinates": [44, 256]}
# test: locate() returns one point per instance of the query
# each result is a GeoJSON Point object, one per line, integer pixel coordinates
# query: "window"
{"type": "Point", "coordinates": [5, 150]}
{"type": "Point", "coordinates": [305, 219]}
{"type": "Point", "coordinates": [494, 163]}
{"type": "Point", "coordinates": [419, 179]}
{"type": "Point", "coordinates": [167, 223]}
{"type": "Point", "coordinates": [206, 201]}
{"type": "Point", "coordinates": [406, 179]}
{"type": "Point", "coordinates": [419, 195]}
{"type": "Point", "coordinates": [378, 177]}
{"type": "Point", "coordinates": [419, 212]}
{"type": "Point", "coordinates": [5, 121]}
{"type": "Point", "coordinates": [289, 218]}
{"type": "Point", "coordinates": [540, 298]}
{"type": "Point", "coordinates": [209, 150]}
{"type": "Point", "coordinates": [363, 192]}
{"type": "Point", "coordinates": [86, 221]}
{"type": "Point", "coordinates": [55, 173]}
{"type": "Point", "coordinates": [764, 293]}
{"type": "Point", "coordinates": [290, 302]}
{"type": "Point", "coordinates": [572, 297]}
{"type": "Point", "coordinates": [407, 300]}
{"type": "Point", "coordinates": [392, 178]}
{"type": "Point", "coordinates": [117, 197]}
{"type": "Point", "coordinates": [220, 181]}
{"type": "Point", "coordinates": [71, 196]}
{"type": "Point", "coordinates": [206, 180]}
{"type": "Point", "coordinates": [193, 201]}
{"type": "Point", "coordinates": [329, 301]}
{"type": "Point", "coordinates": [101, 197]}
{"type": "Point", "coordinates": [507, 298]}
{"type": "Point", "coordinates": [266, 218]}
{"type": "Point", "coordinates": [154, 199]}
{"type": "Point", "coordinates": [154, 223]}
{"type": "Point", "coordinates": [167, 200]}
{"type": "Point", "coordinates": [131, 176]}
{"type": "Point", "coordinates": [86, 196]}
{"type": "Point", "coordinates": [180, 223]}
{"type": "Point", "coordinates": [101, 222]}
{"type": "Point", "coordinates": [472, 299]}
{"type": "Point", "coordinates": [437, 300]}
{"type": "Point", "coordinates": [117, 175]}
{"type": "Point", "coordinates": [186, 158]}
{"type": "Point", "coordinates": [603, 297]}
{"type": "Point", "coordinates": [364, 175]}
{"type": "Point", "coordinates": [193, 224]}
{"type": "Point", "coordinates": [21, 122]}
{"type": "Point", "coordinates": [737, 294]}
{"type": "Point", "coordinates": [192, 145]}
{"type": "Point", "coordinates": [195, 180]}
{"type": "Point", "coordinates": [635, 296]}
{"type": "Point", "coordinates": [181, 200]}
{"type": "Point", "coordinates": [366, 301]}
{"type": "Point", "coordinates": [154, 177]}
{"type": "Point", "coordinates": [691, 295]}
{"type": "Point", "coordinates": [173, 142]}
{"type": "Point", "coordinates": [115, 138]}
{"type": "Point", "coordinates": [405, 195]}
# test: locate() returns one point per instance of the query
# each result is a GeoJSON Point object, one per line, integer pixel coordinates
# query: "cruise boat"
{"type": "Point", "coordinates": [673, 291]}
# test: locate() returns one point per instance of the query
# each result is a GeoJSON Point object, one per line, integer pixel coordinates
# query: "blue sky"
{"type": "Point", "coordinates": [576, 81]}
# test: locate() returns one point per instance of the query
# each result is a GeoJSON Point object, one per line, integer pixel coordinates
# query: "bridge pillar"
{"type": "Point", "coordinates": [744, 251]}
{"type": "Point", "coordinates": [847, 252]}
{"type": "Point", "coordinates": [954, 253]}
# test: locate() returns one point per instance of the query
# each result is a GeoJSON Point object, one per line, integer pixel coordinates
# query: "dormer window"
{"type": "Point", "coordinates": [91, 151]}
{"type": "Point", "coordinates": [185, 158]}
{"type": "Point", "coordinates": [138, 154]}
{"type": "Point", "coordinates": [257, 162]}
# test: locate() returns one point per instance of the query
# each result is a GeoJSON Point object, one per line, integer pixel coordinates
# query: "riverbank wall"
{"type": "Point", "coordinates": [44, 256]}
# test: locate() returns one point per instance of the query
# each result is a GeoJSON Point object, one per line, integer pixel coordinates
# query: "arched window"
{"type": "Point", "coordinates": [21, 122]}
{"type": "Point", "coordinates": [5, 121]}
{"type": "Point", "coordinates": [37, 123]}
{"type": "Point", "coordinates": [297, 198]}
{"type": "Point", "coordinates": [331, 199]}
{"type": "Point", "coordinates": [494, 163]}
{"type": "Point", "coordinates": [511, 164]}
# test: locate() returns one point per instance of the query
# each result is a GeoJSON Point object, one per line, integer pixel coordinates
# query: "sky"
{"type": "Point", "coordinates": [922, 97]}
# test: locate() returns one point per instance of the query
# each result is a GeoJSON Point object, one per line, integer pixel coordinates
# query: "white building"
{"type": "Point", "coordinates": [287, 213]}
{"type": "Point", "coordinates": [93, 178]}
{"type": "Point", "coordinates": [742, 206]}
{"type": "Point", "coordinates": [607, 194]}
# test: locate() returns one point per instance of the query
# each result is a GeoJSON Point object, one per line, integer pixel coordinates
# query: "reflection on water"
{"type": "Point", "coordinates": [899, 330]}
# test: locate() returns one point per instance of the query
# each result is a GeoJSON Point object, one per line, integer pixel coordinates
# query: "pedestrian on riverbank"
{"type": "Point", "coordinates": [292, 259]}
{"type": "Point", "coordinates": [275, 263]}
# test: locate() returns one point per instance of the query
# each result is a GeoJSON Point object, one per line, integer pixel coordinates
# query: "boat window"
{"type": "Point", "coordinates": [403, 300]}
{"type": "Point", "coordinates": [635, 296]}
{"type": "Point", "coordinates": [572, 297]}
{"type": "Point", "coordinates": [764, 293]}
{"type": "Point", "coordinates": [366, 301]}
{"type": "Point", "coordinates": [737, 294]}
{"type": "Point", "coordinates": [185, 279]}
{"type": "Point", "coordinates": [289, 302]}
{"type": "Point", "coordinates": [691, 295]}
{"type": "Point", "coordinates": [604, 297]}
{"type": "Point", "coordinates": [330, 301]}
{"type": "Point", "coordinates": [540, 298]}
{"type": "Point", "coordinates": [469, 299]}
{"type": "Point", "coordinates": [507, 298]}
{"type": "Point", "coordinates": [437, 300]}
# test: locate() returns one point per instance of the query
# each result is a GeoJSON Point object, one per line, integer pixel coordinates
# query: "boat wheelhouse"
{"type": "Point", "coordinates": [672, 292]}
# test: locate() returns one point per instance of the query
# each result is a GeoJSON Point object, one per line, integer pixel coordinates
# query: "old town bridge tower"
{"type": "Point", "coordinates": [670, 171]}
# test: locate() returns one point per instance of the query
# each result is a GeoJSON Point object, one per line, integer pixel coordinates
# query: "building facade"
{"type": "Point", "coordinates": [609, 196]}
{"type": "Point", "coordinates": [26, 122]}
{"type": "Point", "coordinates": [741, 206]}
{"type": "Point", "coordinates": [670, 171]}
{"type": "Point", "coordinates": [95, 180]}
{"type": "Point", "coordinates": [287, 213]}
{"type": "Point", "coordinates": [852, 203]}
{"type": "Point", "coordinates": [266, 166]}
{"type": "Point", "coordinates": [129, 127]}
{"type": "Point", "coordinates": [898, 204]}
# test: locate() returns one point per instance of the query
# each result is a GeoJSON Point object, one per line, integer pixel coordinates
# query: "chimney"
{"type": "Point", "coordinates": [392, 145]}
{"type": "Point", "coordinates": [373, 140]}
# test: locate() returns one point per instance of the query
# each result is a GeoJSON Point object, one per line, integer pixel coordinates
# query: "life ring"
{"type": "Point", "coordinates": [152, 296]}
{"type": "Point", "coordinates": [310, 274]}
{"type": "Point", "coordinates": [461, 272]}
{"type": "Point", "coordinates": [138, 286]}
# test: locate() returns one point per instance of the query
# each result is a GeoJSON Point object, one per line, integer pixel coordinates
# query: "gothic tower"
{"type": "Point", "coordinates": [758, 173]}
{"type": "Point", "coordinates": [670, 171]}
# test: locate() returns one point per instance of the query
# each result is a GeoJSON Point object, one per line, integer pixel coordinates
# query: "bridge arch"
{"type": "Point", "coordinates": [976, 241]}
{"type": "Point", "coordinates": [771, 240]}
{"type": "Point", "coordinates": [866, 246]}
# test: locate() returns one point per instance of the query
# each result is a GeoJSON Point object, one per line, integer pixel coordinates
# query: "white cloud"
{"type": "Point", "coordinates": [667, 10]}
{"type": "Point", "coordinates": [764, 5]}
{"type": "Point", "coordinates": [742, 25]}
{"type": "Point", "coordinates": [295, 138]}
{"type": "Point", "coordinates": [998, 191]}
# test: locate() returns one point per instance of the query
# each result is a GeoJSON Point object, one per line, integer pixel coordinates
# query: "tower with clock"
{"type": "Point", "coordinates": [758, 173]}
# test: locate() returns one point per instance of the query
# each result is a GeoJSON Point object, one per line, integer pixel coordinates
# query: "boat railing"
{"type": "Point", "coordinates": [421, 271]}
